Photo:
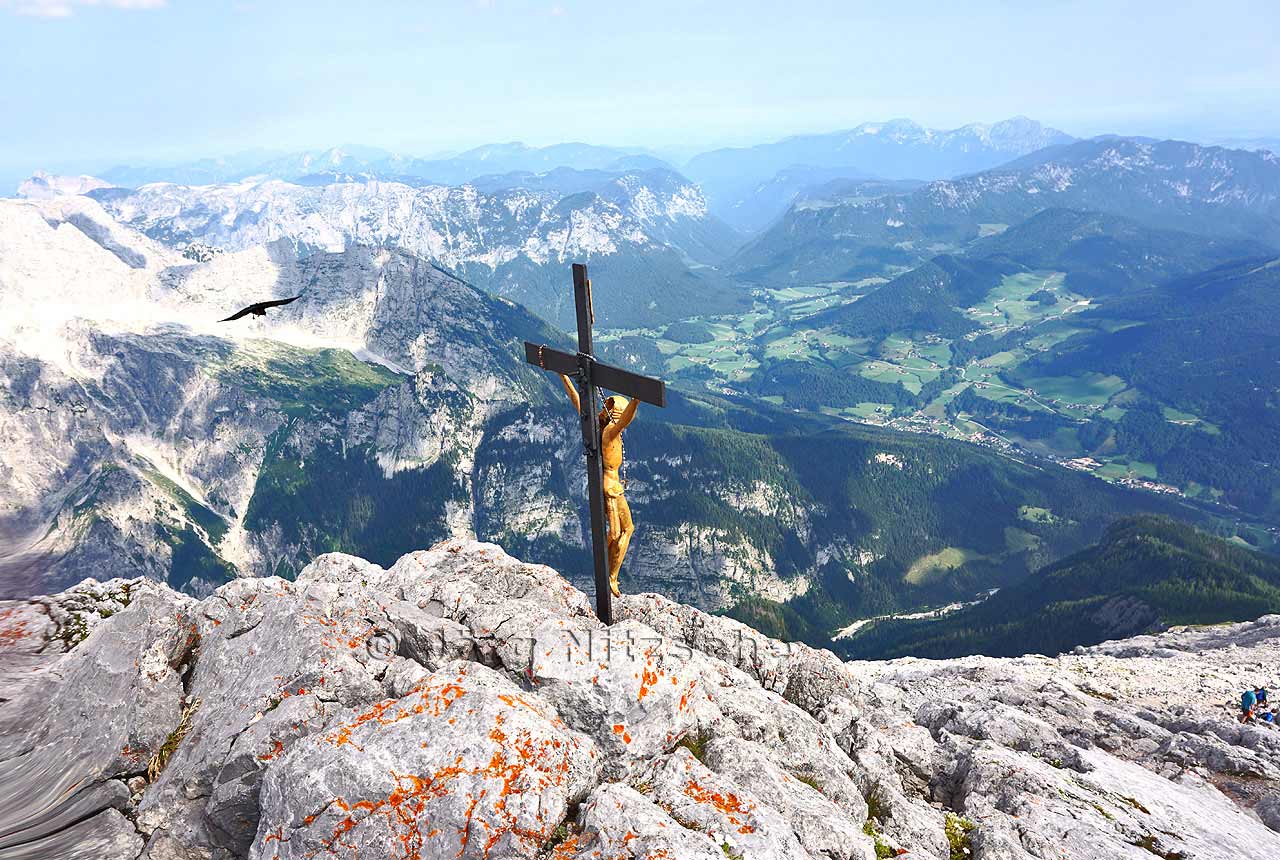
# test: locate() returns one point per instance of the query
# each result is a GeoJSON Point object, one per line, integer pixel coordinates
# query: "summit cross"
{"type": "Point", "coordinates": [586, 375]}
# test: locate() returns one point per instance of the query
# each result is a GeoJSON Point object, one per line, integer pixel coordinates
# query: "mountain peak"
{"type": "Point", "coordinates": [673, 733]}
{"type": "Point", "coordinates": [42, 186]}
{"type": "Point", "coordinates": [490, 150]}
{"type": "Point", "coordinates": [894, 129]}
{"type": "Point", "coordinates": [1019, 122]}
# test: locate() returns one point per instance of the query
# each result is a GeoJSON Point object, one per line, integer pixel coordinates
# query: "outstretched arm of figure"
{"type": "Point", "coordinates": [613, 428]}
{"type": "Point", "coordinates": [572, 392]}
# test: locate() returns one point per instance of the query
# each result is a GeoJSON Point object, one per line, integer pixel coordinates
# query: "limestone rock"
{"type": "Point", "coordinates": [631, 690]}
{"type": "Point", "coordinates": [461, 703]}
{"type": "Point", "coordinates": [619, 821]}
{"type": "Point", "coordinates": [700, 799]}
{"type": "Point", "coordinates": [95, 716]}
{"type": "Point", "coordinates": [823, 828]}
{"type": "Point", "coordinates": [1268, 809]}
{"type": "Point", "coordinates": [105, 836]}
{"type": "Point", "coordinates": [277, 660]}
{"type": "Point", "coordinates": [468, 765]}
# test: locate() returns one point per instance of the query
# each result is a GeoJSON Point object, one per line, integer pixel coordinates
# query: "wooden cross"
{"type": "Point", "coordinates": [590, 374]}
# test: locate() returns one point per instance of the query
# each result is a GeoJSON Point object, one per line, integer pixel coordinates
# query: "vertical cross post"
{"type": "Point", "coordinates": [591, 441]}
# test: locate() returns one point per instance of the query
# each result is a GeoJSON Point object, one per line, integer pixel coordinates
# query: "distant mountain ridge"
{"type": "Point", "coordinates": [898, 149]}
{"type": "Point", "coordinates": [754, 208]}
{"type": "Point", "coordinates": [747, 186]}
{"type": "Point", "coordinates": [509, 157]}
{"type": "Point", "coordinates": [42, 186]}
{"type": "Point", "coordinates": [646, 233]}
{"type": "Point", "coordinates": [1163, 184]}
{"type": "Point", "coordinates": [960, 150]}
{"type": "Point", "coordinates": [1271, 144]}
{"type": "Point", "coordinates": [376, 163]}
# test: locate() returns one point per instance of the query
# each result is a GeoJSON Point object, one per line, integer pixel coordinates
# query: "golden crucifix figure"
{"type": "Point", "coordinates": [614, 418]}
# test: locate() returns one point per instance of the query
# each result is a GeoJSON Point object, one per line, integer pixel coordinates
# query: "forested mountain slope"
{"type": "Point", "coordinates": [1146, 574]}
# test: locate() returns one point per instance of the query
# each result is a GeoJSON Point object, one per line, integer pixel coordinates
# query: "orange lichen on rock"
{"type": "Point", "coordinates": [433, 700]}
{"type": "Point", "coordinates": [729, 805]}
{"type": "Point", "coordinates": [276, 749]}
{"type": "Point", "coordinates": [567, 848]}
{"type": "Point", "coordinates": [514, 700]}
{"type": "Point", "coordinates": [522, 763]}
{"type": "Point", "coordinates": [648, 679]}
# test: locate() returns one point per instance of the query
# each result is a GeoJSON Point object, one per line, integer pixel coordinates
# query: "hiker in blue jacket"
{"type": "Point", "coordinates": [1248, 701]}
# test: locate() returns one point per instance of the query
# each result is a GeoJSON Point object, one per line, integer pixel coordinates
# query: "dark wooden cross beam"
{"type": "Point", "coordinates": [588, 375]}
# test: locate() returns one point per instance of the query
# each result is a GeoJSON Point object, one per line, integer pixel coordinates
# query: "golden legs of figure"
{"type": "Point", "coordinates": [620, 531]}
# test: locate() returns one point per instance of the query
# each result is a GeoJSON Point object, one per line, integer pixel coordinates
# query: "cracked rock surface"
{"type": "Point", "coordinates": [463, 704]}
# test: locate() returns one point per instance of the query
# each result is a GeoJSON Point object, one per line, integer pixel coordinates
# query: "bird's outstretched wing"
{"type": "Point", "coordinates": [260, 308]}
{"type": "Point", "coordinates": [276, 302]}
{"type": "Point", "coordinates": [238, 314]}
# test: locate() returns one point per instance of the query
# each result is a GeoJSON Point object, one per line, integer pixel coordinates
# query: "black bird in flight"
{"type": "Point", "coordinates": [260, 309]}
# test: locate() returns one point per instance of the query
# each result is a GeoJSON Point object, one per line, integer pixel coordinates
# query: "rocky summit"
{"type": "Point", "coordinates": [463, 704]}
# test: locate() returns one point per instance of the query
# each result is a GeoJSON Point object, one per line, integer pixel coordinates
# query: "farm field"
{"type": "Point", "coordinates": [990, 384]}
{"type": "Point", "coordinates": [934, 566]}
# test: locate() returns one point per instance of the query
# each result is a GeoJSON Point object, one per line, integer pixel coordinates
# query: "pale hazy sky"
{"type": "Point", "coordinates": [83, 82]}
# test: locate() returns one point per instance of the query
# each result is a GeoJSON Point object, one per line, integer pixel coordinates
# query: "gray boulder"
{"type": "Point", "coordinates": [94, 718]}
{"type": "Point", "coordinates": [468, 765]}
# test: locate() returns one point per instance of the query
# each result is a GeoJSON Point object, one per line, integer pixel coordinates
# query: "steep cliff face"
{"type": "Point", "coordinates": [386, 409]}
{"type": "Point", "coordinates": [463, 704]}
{"type": "Point", "coordinates": [137, 428]}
